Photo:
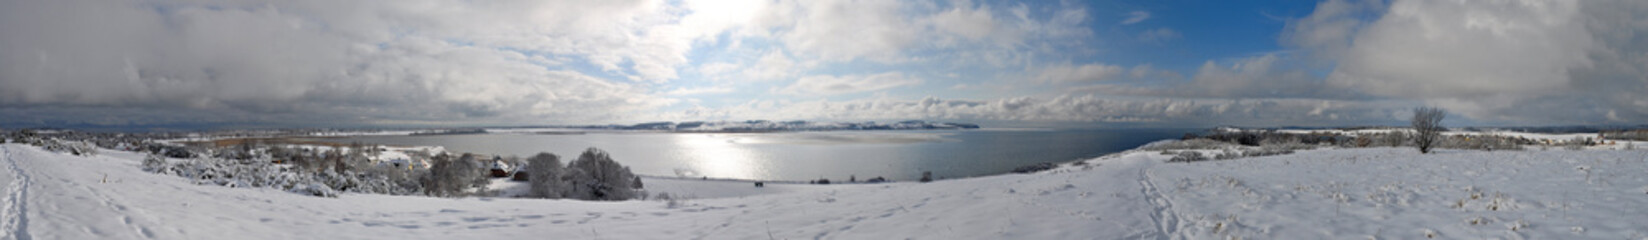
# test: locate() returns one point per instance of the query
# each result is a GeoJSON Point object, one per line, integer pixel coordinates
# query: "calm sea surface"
{"type": "Point", "coordinates": [896, 155]}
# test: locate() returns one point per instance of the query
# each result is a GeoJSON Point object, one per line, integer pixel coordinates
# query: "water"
{"type": "Point", "coordinates": [800, 156]}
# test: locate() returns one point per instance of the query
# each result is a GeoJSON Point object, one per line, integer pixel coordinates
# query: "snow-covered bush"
{"type": "Point", "coordinates": [1032, 168]}
{"type": "Point", "coordinates": [170, 151]}
{"type": "Point", "coordinates": [595, 176]}
{"type": "Point", "coordinates": [1227, 154]}
{"type": "Point", "coordinates": [388, 179]}
{"type": "Point", "coordinates": [544, 176]}
{"type": "Point", "coordinates": [1482, 142]}
{"type": "Point", "coordinates": [314, 189]}
{"type": "Point", "coordinates": [260, 172]}
{"type": "Point", "coordinates": [77, 148]}
{"type": "Point", "coordinates": [233, 173]}
{"type": "Point", "coordinates": [1188, 156]}
{"type": "Point", "coordinates": [1198, 143]}
{"type": "Point", "coordinates": [1284, 144]}
{"type": "Point", "coordinates": [672, 201]}
{"type": "Point", "coordinates": [1389, 139]}
{"type": "Point", "coordinates": [1578, 143]}
{"type": "Point", "coordinates": [453, 177]}
{"type": "Point", "coordinates": [154, 163]}
{"type": "Point", "coordinates": [1267, 151]}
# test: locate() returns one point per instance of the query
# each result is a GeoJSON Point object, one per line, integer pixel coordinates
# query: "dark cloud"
{"type": "Point", "coordinates": [280, 62]}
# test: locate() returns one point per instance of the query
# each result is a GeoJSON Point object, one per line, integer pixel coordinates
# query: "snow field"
{"type": "Point", "coordinates": [1395, 193]}
{"type": "Point", "coordinates": [1383, 193]}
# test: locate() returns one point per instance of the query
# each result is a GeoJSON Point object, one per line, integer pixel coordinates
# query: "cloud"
{"type": "Point", "coordinates": [331, 62]}
{"type": "Point", "coordinates": [889, 32]}
{"type": "Point", "coordinates": [699, 91]}
{"type": "Point", "coordinates": [774, 65]}
{"type": "Point", "coordinates": [1136, 17]}
{"type": "Point", "coordinates": [1072, 109]}
{"type": "Point", "coordinates": [1141, 71]}
{"type": "Point", "coordinates": [974, 23]}
{"type": "Point", "coordinates": [1328, 30]}
{"type": "Point", "coordinates": [1069, 73]}
{"type": "Point", "coordinates": [717, 68]}
{"type": "Point", "coordinates": [1563, 62]}
{"type": "Point", "coordinates": [843, 30]}
{"type": "Point", "coordinates": [834, 85]}
{"type": "Point", "coordinates": [1264, 76]}
{"type": "Point", "coordinates": [1159, 35]}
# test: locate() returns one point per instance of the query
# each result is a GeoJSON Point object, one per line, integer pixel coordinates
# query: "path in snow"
{"type": "Point", "coordinates": [1162, 215]}
{"type": "Point", "coordinates": [16, 223]}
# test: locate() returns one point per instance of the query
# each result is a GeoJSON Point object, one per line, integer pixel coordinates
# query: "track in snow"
{"type": "Point", "coordinates": [15, 224]}
{"type": "Point", "coordinates": [1166, 221]}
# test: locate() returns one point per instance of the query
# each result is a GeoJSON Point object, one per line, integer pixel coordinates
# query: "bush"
{"type": "Point", "coordinates": [452, 178]}
{"type": "Point", "coordinates": [1577, 143]}
{"type": "Point", "coordinates": [154, 163]}
{"type": "Point", "coordinates": [1198, 143]}
{"type": "Point", "coordinates": [1267, 151]}
{"type": "Point", "coordinates": [543, 173]}
{"type": "Point", "coordinates": [1483, 142]}
{"type": "Point", "coordinates": [595, 176]}
{"type": "Point", "coordinates": [1227, 154]}
{"type": "Point", "coordinates": [1034, 168]}
{"type": "Point", "coordinates": [221, 172]}
{"type": "Point", "coordinates": [1188, 156]}
{"type": "Point", "coordinates": [76, 148]}
{"type": "Point", "coordinates": [672, 201]}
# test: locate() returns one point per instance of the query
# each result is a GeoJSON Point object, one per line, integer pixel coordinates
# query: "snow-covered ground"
{"type": "Point", "coordinates": [1383, 193]}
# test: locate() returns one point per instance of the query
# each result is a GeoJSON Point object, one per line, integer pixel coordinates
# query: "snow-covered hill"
{"type": "Point", "coordinates": [1384, 193]}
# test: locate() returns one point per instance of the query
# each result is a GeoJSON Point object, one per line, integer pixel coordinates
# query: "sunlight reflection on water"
{"type": "Point", "coordinates": [716, 155]}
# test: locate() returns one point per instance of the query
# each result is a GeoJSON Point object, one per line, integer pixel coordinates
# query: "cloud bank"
{"type": "Point", "coordinates": [449, 62]}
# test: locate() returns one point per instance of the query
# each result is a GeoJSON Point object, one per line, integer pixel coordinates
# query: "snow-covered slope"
{"type": "Point", "coordinates": [1386, 193]}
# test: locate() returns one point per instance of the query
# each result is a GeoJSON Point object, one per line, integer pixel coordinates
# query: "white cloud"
{"type": "Point", "coordinates": [716, 68]}
{"type": "Point", "coordinates": [774, 65]}
{"type": "Point", "coordinates": [1561, 62]}
{"type": "Point", "coordinates": [699, 91]}
{"type": "Point", "coordinates": [1159, 35]}
{"type": "Point", "coordinates": [976, 23]}
{"type": "Point", "coordinates": [1264, 76]}
{"type": "Point", "coordinates": [844, 30]}
{"type": "Point", "coordinates": [1328, 30]}
{"type": "Point", "coordinates": [1136, 17]}
{"type": "Point", "coordinates": [1141, 71]}
{"type": "Point", "coordinates": [834, 85]}
{"type": "Point", "coordinates": [1069, 73]}
{"type": "Point", "coordinates": [1071, 109]}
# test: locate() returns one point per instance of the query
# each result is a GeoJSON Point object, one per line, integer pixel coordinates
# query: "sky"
{"type": "Point", "coordinates": [324, 63]}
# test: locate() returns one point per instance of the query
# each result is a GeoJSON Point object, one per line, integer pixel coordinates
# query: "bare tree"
{"type": "Point", "coordinates": [1427, 121]}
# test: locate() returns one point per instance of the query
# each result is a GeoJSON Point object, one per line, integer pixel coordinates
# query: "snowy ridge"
{"type": "Point", "coordinates": [1383, 193]}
